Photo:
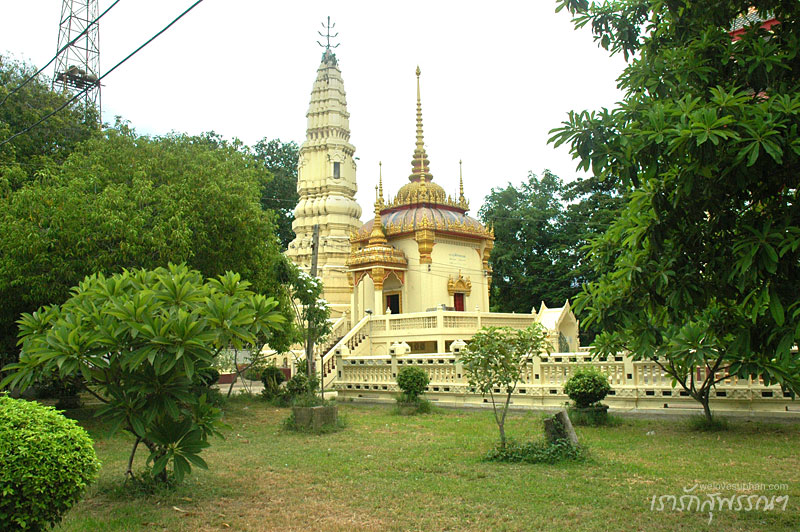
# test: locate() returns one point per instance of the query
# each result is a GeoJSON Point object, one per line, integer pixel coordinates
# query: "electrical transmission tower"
{"type": "Point", "coordinates": [78, 64]}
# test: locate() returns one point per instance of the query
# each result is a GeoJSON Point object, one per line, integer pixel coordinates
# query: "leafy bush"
{"type": "Point", "coordinates": [144, 340]}
{"type": "Point", "coordinates": [208, 377]}
{"type": "Point", "coordinates": [412, 381]}
{"type": "Point", "coordinates": [536, 452]}
{"type": "Point", "coordinates": [409, 408]}
{"type": "Point", "coordinates": [301, 385]}
{"type": "Point", "coordinates": [272, 377]}
{"type": "Point", "coordinates": [47, 463]}
{"type": "Point", "coordinates": [591, 417]}
{"type": "Point", "coordinates": [587, 387]}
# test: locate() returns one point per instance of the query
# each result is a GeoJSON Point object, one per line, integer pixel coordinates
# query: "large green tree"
{"type": "Point", "coordinates": [29, 156]}
{"type": "Point", "coordinates": [279, 194]}
{"type": "Point", "coordinates": [122, 200]}
{"type": "Point", "coordinates": [527, 254]}
{"type": "Point", "coordinates": [541, 228]}
{"type": "Point", "coordinates": [700, 271]}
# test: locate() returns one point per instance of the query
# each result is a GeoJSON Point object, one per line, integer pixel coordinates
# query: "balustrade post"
{"type": "Point", "coordinates": [536, 369]}
{"type": "Point", "coordinates": [393, 354]}
{"type": "Point", "coordinates": [629, 370]}
{"type": "Point", "coordinates": [338, 358]}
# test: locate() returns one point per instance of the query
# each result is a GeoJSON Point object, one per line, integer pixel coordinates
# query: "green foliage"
{"type": "Point", "coordinates": [412, 380]}
{"type": "Point", "coordinates": [700, 271]}
{"type": "Point", "coordinates": [311, 312]}
{"type": "Point", "coordinates": [279, 194]}
{"type": "Point", "coordinates": [272, 377]}
{"type": "Point", "coordinates": [587, 387]}
{"type": "Point", "coordinates": [537, 452]}
{"type": "Point", "coordinates": [592, 416]}
{"type": "Point", "coordinates": [47, 463]}
{"type": "Point", "coordinates": [122, 200]}
{"type": "Point", "coordinates": [144, 342]}
{"type": "Point", "coordinates": [31, 156]}
{"type": "Point", "coordinates": [541, 228]}
{"type": "Point", "coordinates": [407, 406]}
{"type": "Point", "coordinates": [300, 385]}
{"type": "Point", "coordinates": [496, 358]}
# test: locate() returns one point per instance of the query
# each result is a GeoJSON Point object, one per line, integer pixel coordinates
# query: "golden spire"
{"type": "Point", "coordinates": [380, 180]}
{"type": "Point", "coordinates": [460, 182]}
{"type": "Point", "coordinates": [419, 163]}
{"type": "Point", "coordinates": [377, 236]}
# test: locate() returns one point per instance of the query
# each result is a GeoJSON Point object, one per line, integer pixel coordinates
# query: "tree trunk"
{"type": "Point", "coordinates": [129, 472]}
{"type": "Point", "coordinates": [501, 426]}
{"type": "Point", "coordinates": [704, 399]}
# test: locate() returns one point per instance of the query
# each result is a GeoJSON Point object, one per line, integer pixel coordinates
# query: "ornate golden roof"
{"type": "Point", "coordinates": [378, 251]}
{"type": "Point", "coordinates": [422, 204]}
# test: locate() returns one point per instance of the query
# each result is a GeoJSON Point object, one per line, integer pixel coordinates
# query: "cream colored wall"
{"type": "Point", "coordinates": [425, 285]}
{"type": "Point", "coordinates": [448, 259]}
{"type": "Point", "coordinates": [365, 297]}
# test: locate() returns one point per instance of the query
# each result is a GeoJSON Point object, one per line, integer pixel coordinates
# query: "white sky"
{"type": "Point", "coordinates": [496, 77]}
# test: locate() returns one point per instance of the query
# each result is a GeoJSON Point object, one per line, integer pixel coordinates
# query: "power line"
{"type": "Point", "coordinates": [79, 94]}
{"type": "Point", "coordinates": [73, 41]}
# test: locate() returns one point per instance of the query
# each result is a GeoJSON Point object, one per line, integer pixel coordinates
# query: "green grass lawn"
{"type": "Point", "coordinates": [389, 472]}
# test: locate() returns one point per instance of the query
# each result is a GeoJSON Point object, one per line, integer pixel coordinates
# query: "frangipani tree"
{"type": "Point", "coordinates": [700, 271]}
{"type": "Point", "coordinates": [142, 341]}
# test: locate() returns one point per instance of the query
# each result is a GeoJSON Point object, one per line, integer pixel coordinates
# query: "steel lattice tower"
{"type": "Point", "coordinates": [78, 65]}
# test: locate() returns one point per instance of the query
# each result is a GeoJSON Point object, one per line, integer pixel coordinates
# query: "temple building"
{"type": "Point", "coordinates": [411, 287]}
{"type": "Point", "coordinates": [417, 272]}
{"type": "Point", "coordinates": [326, 184]}
{"type": "Point", "coordinates": [421, 250]}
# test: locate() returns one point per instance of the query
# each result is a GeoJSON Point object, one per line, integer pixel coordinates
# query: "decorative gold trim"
{"type": "Point", "coordinates": [425, 241]}
{"type": "Point", "coordinates": [460, 285]}
{"type": "Point", "coordinates": [378, 275]}
{"type": "Point", "coordinates": [487, 253]}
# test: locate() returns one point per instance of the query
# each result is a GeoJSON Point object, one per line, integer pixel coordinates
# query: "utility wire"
{"type": "Point", "coordinates": [79, 94]}
{"type": "Point", "coordinates": [73, 41]}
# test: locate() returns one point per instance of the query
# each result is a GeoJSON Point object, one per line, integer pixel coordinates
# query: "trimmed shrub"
{"type": "Point", "coordinates": [47, 463]}
{"type": "Point", "coordinates": [587, 387]}
{"type": "Point", "coordinates": [412, 381]}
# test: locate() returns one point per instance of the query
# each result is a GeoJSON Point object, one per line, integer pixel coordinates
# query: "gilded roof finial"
{"type": "Point", "coordinates": [419, 163]}
{"type": "Point", "coordinates": [377, 236]}
{"type": "Point", "coordinates": [460, 182]}
{"type": "Point", "coordinates": [380, 180]}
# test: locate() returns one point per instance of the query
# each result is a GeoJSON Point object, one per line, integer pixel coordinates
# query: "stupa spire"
{"type": "Point", "coordinates": [460, 182]}
{"type": "Point", "coordinates": [380, 180]}
{"type": "Point", "coordinates": [419, 163]}
{"type": "Point", "coordinates": [377, 236]}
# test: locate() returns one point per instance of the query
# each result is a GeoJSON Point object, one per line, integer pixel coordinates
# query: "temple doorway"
{"type": "Point", "coordinates": [393, 303]}
{"type": "Point", "coordinates": [458, 301]}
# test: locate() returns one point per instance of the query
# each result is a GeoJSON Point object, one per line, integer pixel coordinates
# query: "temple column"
{"type": "Point", "coordinates": [377, 280]}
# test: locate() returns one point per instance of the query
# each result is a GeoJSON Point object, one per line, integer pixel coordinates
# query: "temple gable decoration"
{"type": "Point", "coordinates": [459, 284]}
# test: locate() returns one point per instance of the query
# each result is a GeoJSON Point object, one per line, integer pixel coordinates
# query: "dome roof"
{"type": "Point", "coordinates": [421, 203]}
{"type": "Point", "coordinates": [440, 218]}
{"type": "Point", "coordinates": [414, 188]}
